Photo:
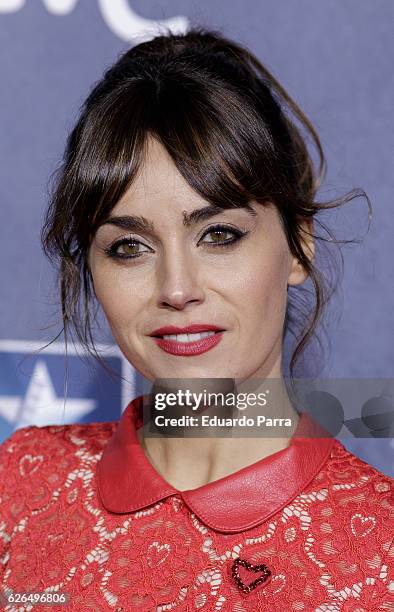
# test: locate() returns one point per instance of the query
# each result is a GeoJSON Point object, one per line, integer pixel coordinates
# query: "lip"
{"type": "Point", "coordinates": [193, 328]}
{"type": "Point", "coordinates": [188, 349]}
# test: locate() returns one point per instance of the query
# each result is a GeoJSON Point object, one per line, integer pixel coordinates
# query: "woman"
{"type": "Point", "coordinates": [185, 204]}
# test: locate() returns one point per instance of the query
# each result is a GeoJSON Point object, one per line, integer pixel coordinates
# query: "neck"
{"type": "Point", "coordinates": [188, 463]}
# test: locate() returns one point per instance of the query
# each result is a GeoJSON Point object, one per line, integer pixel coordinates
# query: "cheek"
{"type": "Point", "coordinates": [260, 290]}
{"type": "Point", "coordinates": [120, 300]}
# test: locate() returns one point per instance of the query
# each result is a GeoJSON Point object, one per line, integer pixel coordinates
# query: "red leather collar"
{"type": "Point", "coordinates": [128, 482]}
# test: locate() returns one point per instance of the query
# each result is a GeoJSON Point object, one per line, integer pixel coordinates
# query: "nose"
{"type": "Point", "coordinates": [179, 280]}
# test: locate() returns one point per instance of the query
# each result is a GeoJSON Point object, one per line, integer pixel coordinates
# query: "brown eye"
{"type": "Point", "coordinates": [125, 249]}
{"type": "Point", "coordinates": [129, 248]}
{"type": "Point", "coordinates": [218, 235]}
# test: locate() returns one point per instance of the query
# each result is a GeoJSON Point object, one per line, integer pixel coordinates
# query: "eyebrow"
{"type": "Point", "coordinates": [140, 223]}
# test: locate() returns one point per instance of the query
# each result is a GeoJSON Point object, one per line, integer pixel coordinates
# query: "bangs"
{"type": "Point", "coordinates": [215, 138]}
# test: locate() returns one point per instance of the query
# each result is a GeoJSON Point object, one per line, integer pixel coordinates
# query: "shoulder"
{"type": "Point", "coordinates": [354, 495]}
{"type": "Point", "coordinates": [41, 442]}
{"type": "Point", "coordinates": [346, 468]}
{"type": "Point", "coordinates": [362, 496]}
{"type": "Point", "coordinates": [350, 479]}
{"type": "Point", "coordinates": [35, 462]}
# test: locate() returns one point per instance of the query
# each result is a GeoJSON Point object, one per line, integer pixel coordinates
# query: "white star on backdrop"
{"type": "Point", "coordinates": [40, 405]}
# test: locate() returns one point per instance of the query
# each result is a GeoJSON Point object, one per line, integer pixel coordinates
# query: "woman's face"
{"type": "Point", "coordinates": [182, 275]}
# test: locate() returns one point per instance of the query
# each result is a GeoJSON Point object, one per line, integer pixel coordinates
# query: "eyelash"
{"type": "Point", "coordinates": [111, 251]}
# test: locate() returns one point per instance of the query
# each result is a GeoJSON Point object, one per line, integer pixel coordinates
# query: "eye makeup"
{"type": "Point", "coordinates": [217, 230]}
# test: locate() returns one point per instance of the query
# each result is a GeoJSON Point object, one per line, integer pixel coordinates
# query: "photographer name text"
{"type": "Point", "coordinates": [216, 421]}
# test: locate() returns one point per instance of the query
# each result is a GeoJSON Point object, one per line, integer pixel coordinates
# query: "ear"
{"type": "Point", "coordinates": [297, 273]}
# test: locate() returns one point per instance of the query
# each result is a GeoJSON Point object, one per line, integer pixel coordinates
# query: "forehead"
{"type": "Point", "coordinates": [158, 180]}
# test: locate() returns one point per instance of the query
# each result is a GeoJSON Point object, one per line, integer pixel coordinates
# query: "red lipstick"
{"type": "Point", "coordinates": [194, 347]}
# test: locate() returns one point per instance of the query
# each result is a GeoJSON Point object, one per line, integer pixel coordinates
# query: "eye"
{"type": "Point", "coordinates": [128, 246]}
{"type": "Point", "coordinates": [219, 232]}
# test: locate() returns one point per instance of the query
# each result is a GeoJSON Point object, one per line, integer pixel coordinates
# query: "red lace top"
{"type": "Point", "coordinates": [83, 512]}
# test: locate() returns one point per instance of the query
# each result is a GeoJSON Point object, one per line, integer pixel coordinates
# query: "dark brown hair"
{"type": "Point", "coordinates": [233, 133]}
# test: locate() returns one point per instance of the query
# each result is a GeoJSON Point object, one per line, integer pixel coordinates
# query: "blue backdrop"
{"type": "Point", "coordinates": [335, 58]}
